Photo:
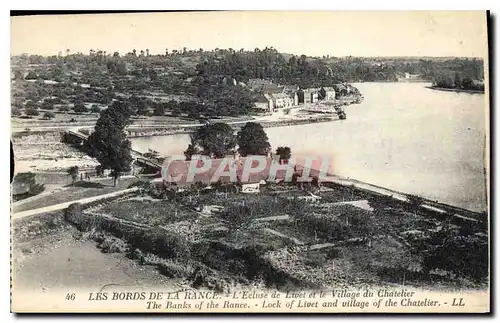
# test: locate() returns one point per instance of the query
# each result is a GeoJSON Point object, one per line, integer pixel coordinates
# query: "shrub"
{"type": "Point", "coordinates": [79, 108]}
{"type": "Point", "coordinates": [95, 109]}
{"type": "Point", "coordinates": [169, 244]}
{"type": "Point", "coordinates": [47, 105]}
{"type": "Point", "coordinates": [414, 200]}
{"type": "Point", "coordinates": [36, 189]}
{"type": "Point", "coordinates": [31, 76]}
{"type": "Point", "coordinates": [464, 255]}
{"type": "Point", "coordinates": [174, 269]}
{"type": "Point", "coordinates": [63, 109]}
{"type": "Point", "coordinates": [15, 111]}
{"type": "Point", "coordinates": [342, 223]}
{"type": "Point", "coordinates": [48, 115]}
{"type": "Point", "coordinates": [314, 259]}
{"type": "Point", "coordinates": [113, 245]}
{"type": "Point", "coordinates": [73, 214]}
{"type": "Point", "coordinates": [141, 184]}
{"type": "Point", "coordinates": [32, 112]}
{"type": "Point", "coordinates": [73, 172]}
{"type": "Point", "coordinates": [99, 170]}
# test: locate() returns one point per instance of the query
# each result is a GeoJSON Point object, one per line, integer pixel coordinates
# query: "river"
{"type": "Point", "coordinates": [403, 136]}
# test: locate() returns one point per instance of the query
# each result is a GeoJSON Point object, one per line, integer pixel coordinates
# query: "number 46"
{"type": "Point", "coordinates": [70, 296]}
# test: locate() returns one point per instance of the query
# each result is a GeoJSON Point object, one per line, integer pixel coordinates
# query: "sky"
{"type": "Point", "coordinates": [334, 33]}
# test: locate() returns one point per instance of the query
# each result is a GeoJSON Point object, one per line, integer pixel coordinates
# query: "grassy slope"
{"type": "Point", "coordinates": [73, 193]}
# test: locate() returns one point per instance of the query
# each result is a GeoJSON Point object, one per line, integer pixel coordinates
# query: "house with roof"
{"type": "Point", "coordinates": [291, 91]}
{"type": "Point", "coordinates": [282, 100]}
{"type": "Point", "coordinates": [264, 102]}
{"type": "Point", "coordinates": [179, 179]}
{"type": "Point", "coordinates": [257, 84]}
{"type": "Point", "coordinates": [310, 95]}
{"type": "Point", "coordinates": [341, 89]}
{"type": "Point", "coordinates": [327, 93]}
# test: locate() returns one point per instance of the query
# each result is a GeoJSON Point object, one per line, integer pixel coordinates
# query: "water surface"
{"type": "Point", "coordinates": [403, 136]}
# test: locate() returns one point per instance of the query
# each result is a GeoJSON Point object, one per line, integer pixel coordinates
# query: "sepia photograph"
{"type": "Point", "coordinates": [250, 162]}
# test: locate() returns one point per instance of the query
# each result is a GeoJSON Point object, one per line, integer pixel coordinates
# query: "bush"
{"type": "Point", "coordinates": [63, 109]}
{"type": "Point", "coordinates": [31, 76]}
{"type": "Point", "coordinates": [79, 108]}
{"type": "Point", "coordinates": [113, 245]}
{"type": "Point", "coordinates": [170, 245]}
{"type": "Point", "coordinates": [463, 255]}
{"type": "Point", "coordinates": [99, 170]}
{"type": "Point", "coordinates": [344, 222]}
{"type": "Point", "coordinates": [141, 184]}
{"type": "Point", "coordinates": [95, 109]}
{"type": "Point", "coordinates": [15, 111]}
{"type": "Point", "coordinates": [48, 115]}
{"type": "Point", "coordinates": [73, 214]}
{"type": "Point", "coordinates": [32, 112]}
{"type": "Point", "coordinates": [47, 105]}
{"type": "Point", "coordinates": [314, 259]}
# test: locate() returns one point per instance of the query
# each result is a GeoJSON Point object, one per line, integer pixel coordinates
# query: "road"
{"type": "Point", "coordinates": [64, 205]}
{"type": "Point", "coordinates": [131, 127]}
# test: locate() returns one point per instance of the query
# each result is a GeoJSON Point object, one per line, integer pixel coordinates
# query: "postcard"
{"type": "Point", "coordinates": [250, 162]}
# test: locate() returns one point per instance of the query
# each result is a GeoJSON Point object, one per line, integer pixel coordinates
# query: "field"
{"type": "Point", "coordinates": [319, 238]}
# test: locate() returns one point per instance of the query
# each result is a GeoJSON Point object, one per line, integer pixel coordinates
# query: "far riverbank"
{"type": "Point", "coordinates": [454, 90]}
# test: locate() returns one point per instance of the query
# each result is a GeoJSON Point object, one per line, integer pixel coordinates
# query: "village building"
{"type": "Point", "coordinates": [257, 84]}
{"type": "Point", "coordinates": [265, 103]}
{"type": "Point", "coordinates": [342, 89]}
{"type": "Point", "coordinates": [410, 76]}
{"type": "Point", "coordinates": [308, 95]}
{"type": "Point", "coordinates": [282, 100]}
{"type": "Point", "coordinates": [327, 93]}
{"type": "Point", "coordinates": [291, 91]}
{"type": "Point", "coordinates": [178, 175]}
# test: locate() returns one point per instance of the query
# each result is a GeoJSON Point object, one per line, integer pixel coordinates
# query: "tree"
{"type": "Point", "coordinates": [79, 107]}
{"type": "Point", "coordinates": [285, 154]}
{"type": "Point", "coordinates": [108, 143]}
{"type": "Point", "coordinates": [190, 151]}
{"type": "Point", "coordinates": [252, 140]}
{"type": "Point", "coordinates": [159, 109]}
{"type": "Point", "coordinates": [18, 75]}
{"type": "Point", "coordinates": [46, 105]}
{"type": "Point", "coordinates": [73, 172]}
{"type": "Point", "coordinates": [31, 105]}
{"type": "Point", "coordinates": [95, 108]}
{"type": "Point", "coordinates": [48, 115]}
{"type": "Point", "coordinates": [215, 140]}
{"type": "Point", "coordinates": [32, 112]}
{"type": "Point", "coordinates": [15, 111]}
{"type": "Point", "coordinates": [31, 76]}
{"type": "Point", "coordinates": [142, 108]}
{"type": "Point", "coordinates": [63, 109]}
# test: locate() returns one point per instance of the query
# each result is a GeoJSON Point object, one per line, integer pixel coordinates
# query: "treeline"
{"type": "Point", "coordinates": [206, 79]}
{"type": "Point", "coordinates": [458, 82]}
{"type": "Point", "coordinates": [314, 71]}
{"type": "Point", "coordinates": [302, 70]}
